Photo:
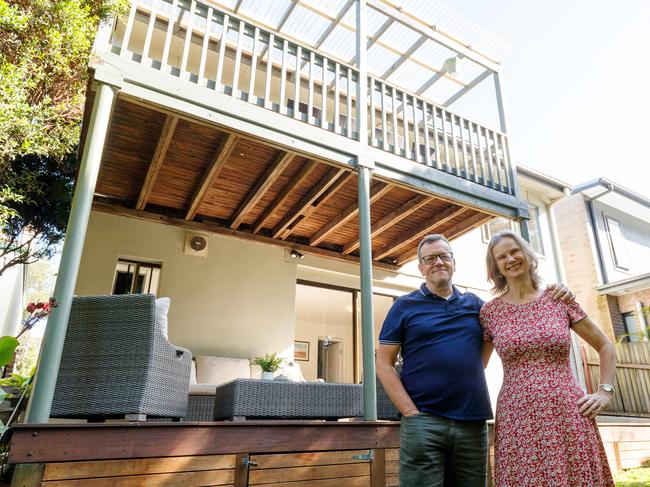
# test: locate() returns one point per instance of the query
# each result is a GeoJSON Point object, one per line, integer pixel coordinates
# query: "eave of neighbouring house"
{"type": "Point", "coordinates": [616, 196]}
{"type": "Point", "coordinates": [551, 187]}
{"type": "Point", "coordinates": [625, 286]}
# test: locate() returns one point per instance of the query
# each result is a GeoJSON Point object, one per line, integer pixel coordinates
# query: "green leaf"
{"type": "Point", "coordinates": [3, 394]}
{"type": "Point", "coordinates": [7, 347]}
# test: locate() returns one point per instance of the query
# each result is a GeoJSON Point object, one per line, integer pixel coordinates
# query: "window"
{"type": "Point", "coordinates": [495, 226]}
{"type": "Point", "coordinates": [535, 230]}
{"type": "Point", "coordinates": [329, 319]}
{"type": "Point", "coordinates": [631, 329]}
{"type": "Point", "coordinates": [146, 280]}
{"type": "Point", "coordinates": [617, 243]}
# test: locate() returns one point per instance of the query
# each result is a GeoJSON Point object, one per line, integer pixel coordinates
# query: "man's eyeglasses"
{"type": "Point", "coordinates": [431, 259]}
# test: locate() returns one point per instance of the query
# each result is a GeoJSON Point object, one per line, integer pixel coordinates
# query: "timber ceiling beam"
{"type": "Point", "coordinates": [295, 181]}
{"type": "Point", "coordinates": [395, 216]}
{"type": "Point", "coordinates": [263, 185]}
{"type": "Point", "coordinates": [226, 147]}
{"type": "Point", "coordinates": [165, 138]}
{"type": "Point", "coordinates": [321, 200]}
{"type": "Point", "coordinates": [429, 226]}
{"type": "Point", "coordinates": [309, 199]}
{"type": "Point", "coordinates": [348, 214]}
{"type": "Point", "coordinates": [465, 226]}
{"type": "Point", "coordinates": [218, 230]}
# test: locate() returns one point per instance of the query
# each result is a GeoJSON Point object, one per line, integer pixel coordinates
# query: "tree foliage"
{"type": "Point", "coordinates": [44, 49]}
{"type": "Point", "coordinates": [35, 221]}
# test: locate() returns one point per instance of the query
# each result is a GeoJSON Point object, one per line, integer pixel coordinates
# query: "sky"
{"type": "Point", "coordinates": [577, 86]}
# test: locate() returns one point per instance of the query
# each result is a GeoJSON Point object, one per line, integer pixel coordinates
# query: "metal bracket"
{"type": "Point", "coordinates": [248, 461]}
{"type": "Point", "coordinates": [370, 456]}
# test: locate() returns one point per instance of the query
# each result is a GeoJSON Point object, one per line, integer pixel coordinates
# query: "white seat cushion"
{"type": "Point", "coordinates": [162, 308]}
{"type": "Point", "coordinates": [217, 370]}
{"type": "Point", "coordinates": [202, 389]}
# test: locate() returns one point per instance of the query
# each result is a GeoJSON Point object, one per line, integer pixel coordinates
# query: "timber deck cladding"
{"type": "Point", "coordinates": [161, 163]}
{"type": "Point", "coordinates": [296, 454]}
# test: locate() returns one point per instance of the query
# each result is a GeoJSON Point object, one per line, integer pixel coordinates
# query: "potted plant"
{"type": "Point", "coordinates": [269, 363]}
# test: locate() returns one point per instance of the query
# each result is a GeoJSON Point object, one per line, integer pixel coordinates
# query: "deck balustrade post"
{"type": "Point", "coordinates": [57, 323]}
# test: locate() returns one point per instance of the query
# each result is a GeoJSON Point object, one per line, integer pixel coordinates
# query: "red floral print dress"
{"type": "Point", "coordinates": [541, 438]}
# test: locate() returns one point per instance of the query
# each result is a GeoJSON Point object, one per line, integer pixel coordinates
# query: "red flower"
{"type": "Point", "coordinates": [31, 307]}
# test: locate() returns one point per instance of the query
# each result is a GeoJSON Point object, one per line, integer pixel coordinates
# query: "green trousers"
{"type": "Point", "coordinates": [441, 452]}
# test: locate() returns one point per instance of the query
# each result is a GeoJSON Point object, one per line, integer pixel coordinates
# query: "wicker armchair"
{"type": "Point", "coordinates": [117, 363]}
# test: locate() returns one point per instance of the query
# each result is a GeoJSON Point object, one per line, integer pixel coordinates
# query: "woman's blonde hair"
{"type": "Point", "coordinates": [499, 282]}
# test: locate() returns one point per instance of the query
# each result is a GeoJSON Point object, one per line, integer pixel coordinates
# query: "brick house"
{"type": "Point", "coordinates": [604, 237]}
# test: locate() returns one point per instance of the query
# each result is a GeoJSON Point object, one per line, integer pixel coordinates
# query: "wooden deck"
{"type": "Point", "coordinates": [294, 454]}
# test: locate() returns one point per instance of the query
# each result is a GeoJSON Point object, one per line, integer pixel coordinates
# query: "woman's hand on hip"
{"type": "Point", "coordinates": [590, 405]}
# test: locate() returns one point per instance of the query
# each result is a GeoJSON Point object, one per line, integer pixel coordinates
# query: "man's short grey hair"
{"type": "Point", "coordinates": [431, 238]}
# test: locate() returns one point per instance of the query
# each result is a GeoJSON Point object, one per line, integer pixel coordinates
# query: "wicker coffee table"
{"type": "Point", "coordinates": [273, 399]}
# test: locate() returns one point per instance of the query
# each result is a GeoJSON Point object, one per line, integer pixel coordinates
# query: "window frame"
{"type": "Point", "coordinates": [534, 210]}
{"type": "Point", "coordinates": [138, 265]}
{"type": "Point", "coordinates": [486, 234]}
{"type": "Point", "coordinates": [620, 255]}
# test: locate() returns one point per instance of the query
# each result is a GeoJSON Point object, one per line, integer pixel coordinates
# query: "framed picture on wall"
{"type": "Point", "coordinates": [301, 351]}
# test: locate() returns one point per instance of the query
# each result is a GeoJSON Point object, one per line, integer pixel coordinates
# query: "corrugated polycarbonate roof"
{"type": "Point", "coordinates": [411, 40]}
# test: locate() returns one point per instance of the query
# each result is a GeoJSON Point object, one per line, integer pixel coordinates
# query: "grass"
{"type": "Point", "coordinates": [634, 477]}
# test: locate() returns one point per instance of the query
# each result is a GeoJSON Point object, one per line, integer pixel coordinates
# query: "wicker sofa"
{"type": "Point", "coordinates": [117, 363]}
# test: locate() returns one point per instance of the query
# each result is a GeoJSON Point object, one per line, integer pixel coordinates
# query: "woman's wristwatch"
{"type": "Point", "coordinates": [610, 389]}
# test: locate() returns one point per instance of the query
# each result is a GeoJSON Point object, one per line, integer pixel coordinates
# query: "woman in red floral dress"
{"type": "Point", "coordinates": [546, 433]}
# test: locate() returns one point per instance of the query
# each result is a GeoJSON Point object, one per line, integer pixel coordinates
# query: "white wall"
{"type": "Point", "coordinates": [636, 233]}
{"type": "Point", "coordinates": [237, 302]}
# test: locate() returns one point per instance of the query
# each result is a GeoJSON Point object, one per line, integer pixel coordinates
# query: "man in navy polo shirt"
{"type": "Point", "coordinates": [441, 393]}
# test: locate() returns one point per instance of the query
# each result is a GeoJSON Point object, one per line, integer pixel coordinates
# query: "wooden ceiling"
{"type": "Point", "coordinates": [206, 177]}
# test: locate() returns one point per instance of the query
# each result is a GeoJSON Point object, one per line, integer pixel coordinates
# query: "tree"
{"type": "Point", "coordinates": [35, 221]}
{"type": "Point", "coordinates": [44, 49]}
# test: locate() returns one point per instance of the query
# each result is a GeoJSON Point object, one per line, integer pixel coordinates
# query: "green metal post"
{"type": "Point", "coordinates": [367, 324]}
{"type": "Point", "coordinates": [57, 323]}
{"type": "Point", "coordinates": [523, 230]}
{"type": "Point", "coordinates": [364, 169]}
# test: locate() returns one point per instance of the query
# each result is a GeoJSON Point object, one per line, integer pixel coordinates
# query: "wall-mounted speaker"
{"type": "Point", "coordinates": [196, 244]}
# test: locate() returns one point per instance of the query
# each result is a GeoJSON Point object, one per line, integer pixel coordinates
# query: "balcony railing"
{"type": "Point", "coordinates": [213, 49]}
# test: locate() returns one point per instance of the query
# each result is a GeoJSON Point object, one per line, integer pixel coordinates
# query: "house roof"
{"type": "Point", "coordinates": [422, 46]}
{"type": "Point", "coordinates": [617, 196]}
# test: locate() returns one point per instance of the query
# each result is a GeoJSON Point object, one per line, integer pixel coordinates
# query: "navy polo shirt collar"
{"type": "Point", "coordinates": [427, 292]}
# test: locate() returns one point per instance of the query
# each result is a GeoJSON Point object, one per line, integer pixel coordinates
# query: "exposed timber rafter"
{"type": "Point", "coordinates": [263, 185]}
{"type": "Point", "coordinates": [395, 216]}
{"type": "Point", "coordinates": [330, 28]}
{"type": "Point", "coordinates": [408, 20]}
{"type": "Point", "coordinates": [165, 138]}
{"type": "Point", "coordinates": [467, 88]}
{"type": "Point", "coordinates": [451, 233]}
{"type": "Point", "coordinates": [431, 225]}
{"type": "Point", "coordinates": [309, 199]}
{"type": "Point", "coordinates": [395, 66]}
{"type": "Point", "coordinates": [226, 147]}
{"type": "Point", "coordinates": [302, 173]}
{"type": "Point", "coordinates": [321, 200]}
{"type": "Point", "coordinates": [348, 214]}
